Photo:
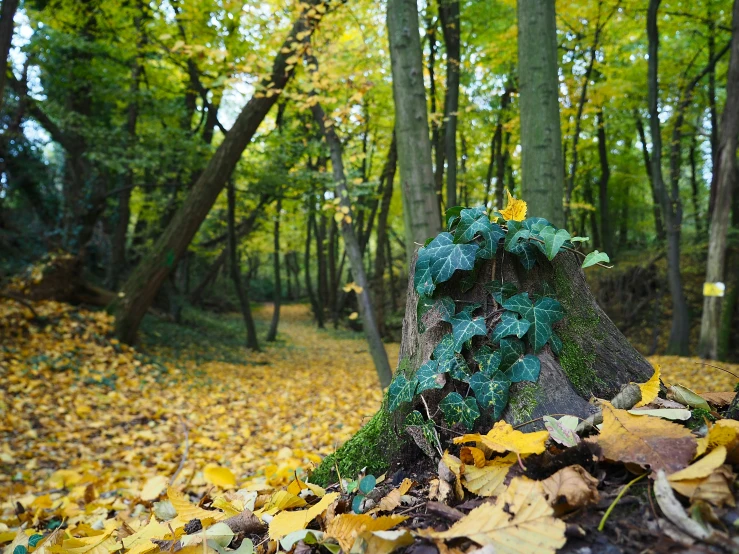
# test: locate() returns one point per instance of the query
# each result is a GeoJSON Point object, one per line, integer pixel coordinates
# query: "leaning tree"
{"type": "Point", "coordinates": [500, 324]}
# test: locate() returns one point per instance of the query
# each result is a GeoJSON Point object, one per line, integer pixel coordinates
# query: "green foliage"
{"type": "Point", "coordinates": [464, 327]}
{"type": "Point", "coordinates": [541, 315]}
{"type": "Point", "coordinates": [438, 261]}
{"type": "Point", "coordinates": [595, 257]}
{"type": "Point", "coordinates": [400, 390]}
{"type": "Point", "coordinates": [459, 410]}
{"type": "Point", "coordinates": [429, 377]}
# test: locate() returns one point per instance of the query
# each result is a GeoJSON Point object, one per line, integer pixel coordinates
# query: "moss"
{"type": "Point", "coordinates": [372, 448]}
{"type": "Point", "coordinates": [523, 401]}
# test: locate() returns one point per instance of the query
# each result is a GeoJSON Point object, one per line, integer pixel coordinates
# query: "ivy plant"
{"type": "Point", "coordinates": [483, 357]}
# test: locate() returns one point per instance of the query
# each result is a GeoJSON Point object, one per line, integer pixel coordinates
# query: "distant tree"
{"type": "Point", "coordinates": [7, 13]}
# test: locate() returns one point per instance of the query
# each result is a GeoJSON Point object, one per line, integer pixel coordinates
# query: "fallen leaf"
{"type": "Point", "coordinates": [561, 430]}
{"type": "Point", "coordinates": [648, 441]}
{"type": "Point", "coordinates": [665, 413]}
{"type": "Point", "coordinates": [674, 511]}
{"type": "Point", "coordinates": [520, 521]}
{"type": "Point", "coordinates": [488, 480]}
{"type": "Point", "coordinates": [381, 542]}
{"type": "Point", "coordinates": [650, 389]}
{"type": "Point", "coordinates": [703, 467]}
{"type": "Point", "coordinates": [570, 488]}
{"type": "Point", "coordinates": [687, 397]}
{"type": "Point", "coordinates": [347, 527]}
{"type": "Point", "coordinates": [187, 511]}
{"type": "Point", "coordinates": [154, 487]}
{"type": "Point", "coordinates": [140, 541]}
{"type": "Point", "coordinates": [285, 522]}
{"type": "Point", "coordinates": [393, 499]}
{"type": "Point", "coordinates": [219, 476]}
{"type": "Point", "coordinates": [718, 399]}
{"type": "Point", "coordinates": [503, 438]}
{"type": "Point", "coordinates": [715, 489]}
{"type": "Point", "coordinates": [472, 456]}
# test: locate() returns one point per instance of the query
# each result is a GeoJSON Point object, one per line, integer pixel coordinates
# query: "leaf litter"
{"type": "Point", "coordinates": [103, 450]}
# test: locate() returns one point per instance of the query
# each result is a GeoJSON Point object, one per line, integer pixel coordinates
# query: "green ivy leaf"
{"type": "Point", "coordinates": [469, 279]}
{"type": "Point", "coordinates": [474, 222]}
{"type": "Point", "coordinates": [422, 432]}
{"type": "Point", "coordinates": [501, 290]}
{"type": "Point", "coordinates": [452, 216]}
{"type": "Point", "coordinates": [553, 240]}
{"type": "Point", "coordinates": [488, 360]}
{"type": "Point", "coordinates": [517, 232]}
{"type": "Point", "coordinates": [429, 377]}
{"type": "Point", "coordinates": [456, 367]}
{"type": "Point", "coordinates": [459, 410]}
{"type": "Point", "coordinates": [511, 349]}
{"type": "Point", "coordinates": [579, 239]}
{"type": "Point", "coordinates": [542, 315]}
{"type": "Point", "coordinates": [414, 418]}
{"type": "Point", "coordinates": [525, 369]}
{"type": "Point", "coordinates": [445, 349]}
{"type": "Point", "coordinates": [510, 324]}
{"type": "Point", "coordinates": [595, 257]}
{"type": "Point", "coordinates": [556, 343]}
{"type": "Point", "coordinates": [444, 306]}
{"type": "Point", "coordinates": [400, 390]}
{"type": "Point", "coordinates": [491, 393]}
{"type": "Point", "coordinates": [438, 261]}
{"type": "Point", "coordinates": [464, 327]}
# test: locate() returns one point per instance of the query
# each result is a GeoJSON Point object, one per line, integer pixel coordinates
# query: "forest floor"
{"type": "Point", "coordinates": [90, 427]}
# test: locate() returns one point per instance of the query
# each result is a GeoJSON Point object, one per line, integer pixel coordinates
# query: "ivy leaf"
{"type": "Point", "coordinates": [553, 240]}
{"type": "Point", "coordinates": [542, 315]}
{"type": "Point", "coordinates": [444, 306]}
{"type": "Point", "coordinates": [422, 432]}
{"type": "Point", "coordinates": [595, 257]}
{"type": "Point", "coordinates": [459, 410]}
{"type": "Point", "coordinates": [516, 233]}
{"type": "Point", "coordinates": [501, 290]}
{"type": "Point", "coordinates": [579, 239]}
{"type": "Point", "coordinates": [400, 390]}
{"type": "Point", "coordinates": [445, 349]}
{"type": "Point", "coordinates": [452, 216]}
{"type": "Point", "coordinates": [488, 360]}
{"type": "Point", "coordinates": [429, 377]}
{"type": "Point", "coordinates": [475, 222]}
{"type": "Point", "coordinates": [525, 369]}
{"type": "Point", "coordinates": [556, 343]}
{"type": "Point", "coordinates": [469, 279]}
{"type": "Point", "coordinates": [491, 393]}
{"type": "Point", "coordinates": [510, 324]}
{"type": "Point", "coordinates": [456, 367]}
{"type": "Point", "coordinates": [438, 261]}
{"type": "Point", "coordinates": [464, 327]}
{"type": "Point", "coordinates": [511, 349]}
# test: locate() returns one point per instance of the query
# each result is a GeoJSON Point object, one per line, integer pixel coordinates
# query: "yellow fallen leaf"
{"type": "Point", "coordinates": [64, 478]}
{"type": "Point", "coordinates": [393, 499]}
{"type": "Point", "coordinates": [456, 466]}
{"type": "Point", "coordinates": [153, 488]}
{"type": "Point", "coordinates": [488, 480]}
{"type": "Point", "coordinates": [285, 523]}
{"type": "Point", "coordinates": [715, 488]}
{"type": "Point", "coordinates": [345, 528]}
{"type": "Point", "coordinates": [520, 521]}
{"type": "Point", "coordinates": [472, 456]}
{"type": "Point", "coordinates": [187, 511]}
{"type": "Point", "coordinates": [381, 542]}
{"type": "Point", "coordinates": [515, 209]}
{"type": "Point", "coordinates": [570, 488]}
{"type": "Point", "coordinates": [219, 476]}
{"type": "Point", "coordinates": [297, 485]}
{"type": "Point", "coordinates": [140, 541]}
{"type": "Point", "coordinates": [504, 438]}
{"type": "Point", "coordinates": [229, 508]}
{"type": "Point", "coordinates": [702, 468]}
{"type": "Point", "coordinates": [281, 500]}
{"type": "Point", "coordinates": [650, 389]}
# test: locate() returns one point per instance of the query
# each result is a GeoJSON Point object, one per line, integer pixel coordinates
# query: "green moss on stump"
{"type": "Point", "coordinates": [523, 402]}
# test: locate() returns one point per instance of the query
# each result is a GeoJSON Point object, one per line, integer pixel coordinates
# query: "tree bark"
{"type": "Point", "coordinates": [277, 300]}
{"type": "Point", "coordinates": [420, 206]}
{"type": "Point", "coordinates": [351, 243]}
{"type": "Point", "coordinates": [7, 13]}
{"type": "Point", "coordinates": [450, 21]}
{"type": "Point", "coordinates": [235, 269]}
{"type": "Point", "coordinates": [142, 286]}
{"type": "Point", "coordinates": [317, 308]}
{"type": "Point", "coordinates": [605, 175]}
{"type": "Point", "coordinates": [659, 227]}
{"type": "Point", "coordinates": [542, 169]}
{"type": "Point", "coordinates": [436, 139]}
{"type": "Point", "coordinates": [695, 194]}
{"type": "Point", "coordinates": [670, 202]}
{"type": "Point", "coordinates": [596, 360]}
{"type": "Point", "coordinates": [725, 184]}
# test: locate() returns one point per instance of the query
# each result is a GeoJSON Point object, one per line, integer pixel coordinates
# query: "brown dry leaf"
{"type": "Point", "coordinates": [718, 399]}
{"type": "Point", "coordinates": [393, 499]}
{"type": "Point", "coordinates": [570, 488]}
{"type": "Point", "coordinates": [650, 441]}
{"type": "Point", "coordinates": [471, 455]}
{"type": "Point", "coordinates": [347, 527]}
{"type": "Point", "coordinates": [714, 489]}
{"type": "Point", "coordinates": [504, 438]}
{"type": "Point", "coordinates": [521, 521]}
{"type": "Point", "coordinates": [488, 480]}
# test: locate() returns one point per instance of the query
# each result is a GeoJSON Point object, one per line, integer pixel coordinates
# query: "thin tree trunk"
{"type": "Point", "coordinates": [233, 262]}
{"type": "Point", "coordinates": [727, 175]}
{"type": "Point", "coordinates": [388, 174]}
{"type": "Point", "coordinates": [7, 13]}
{"type": "Point", "coordinates": [450, 22]}
{"type": "Point", "coordinates": [491, 168]}
{"type": "Point", "coordinates": [142, 286]}
{"type": "Point", "coordinates": [272, 333]}
{"type": "Point", "coordinates": [420, 206]}
{"type": "Point", "coordinates": [210, 275]}
{"type": "Point", "coordinates": [501, 151]}
{"type": "Point", "coordinates": [436, 139]}
{"type": "Point", "coordinates": [319, 223]}
{"type": "Point", "coordinates": [659, 227]}
{"type": "Point", "coordinates": [317, 311]}
{"type": "Point", "coordinates": [542, 170]}
{"type": "Point", "coordinates": [669, 201]}
{"type": "Point", "coordinates": [391, 276]}
{"type": "Point", "coordinates": [605, 175]}
{"type": "Point", "coordinates": [694, 186]}
{"type": "Point", "coordinates": [711, 31]}
{"type": "Point", "coordinates": [351, 244]}
{"type": "Point", "coordinates": [333, 286]}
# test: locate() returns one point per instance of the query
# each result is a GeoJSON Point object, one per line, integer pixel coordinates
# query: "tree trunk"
{"type": "Point", "coordinates": [7, 13]}
{"type": "Point", "coordinates": [142, 286]}
{"type": "Point", "coordinates": [420, 206]}
{"type": "Point", "coordinates": [605, 175]}
{"type": "Point", "coordinates": [669, 202]}
{"type": "Point", "coordinates": [317, 309]}
{"type": "Point", "coordinates": [659, 227]}
{"type": "Point", "coordinates": [436, 139]}
{"type": "Point", "coordinates": [694, 186]}
{"type": "Point", "coordinates": [378, 287]}
{"type": "Point", "coordinates": [272, 333]}
{"type": "Point", "coordinates": [351, 244]}
{"type": "Point", "coordinates": [596, 360]}
{"type": "Point", "coordinates": [234, 266]}
{"type": "Point", "coordinates": [450, 22]}
{"type": "Point", "coordinates": [725, 184]}
{"type": "Point", "coordinates": [542, 169]}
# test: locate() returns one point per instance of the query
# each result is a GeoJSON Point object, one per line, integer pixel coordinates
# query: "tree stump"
{"type": "Point", "coordinates": [595, 361]}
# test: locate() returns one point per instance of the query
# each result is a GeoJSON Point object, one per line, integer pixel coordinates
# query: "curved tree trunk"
{"type": "Point", "coordinates": [596, 360]}
{"type": "Point", "coordinates": [272, 333]}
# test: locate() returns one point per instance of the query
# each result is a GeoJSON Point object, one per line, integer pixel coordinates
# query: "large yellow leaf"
{"type": "Point", "coordinates": [520, 522]}
{"type": "Point", "coordinates": [297, 485]}
{"type": "Point", "coordinates": [140, 541]}
{"type": "Point", "coordinates": [504, 438]}
{"type": "Point", "coordinates": [285, 523]}
{"type": "Point", "coordinates": [347, 527]}
{"type": "Point", "coordinates": [703, 467]}
{"type": "Point", "coordinates": [219, 476]}
{"type": "Point", "coordinates": [381, 542]}
{"type": "Point", "coordinates": [488, 480]}
{"type": "Point", "coordinates": [645, 441]}
{"type": "Point", "coordinates": [515, 209]}
{"type": "Point", "coordinates": [281, 500]}
{"type": "Point", "coordinates": [153, 487]}
{"type": "Point", "coordinates": [471, 455]}
{"type": "Point", "coordinates": [715, 488]}
{"type": "Point", "coordinates": [650, 389]}
{"type": "Point", "coordinates": [187, 511]}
